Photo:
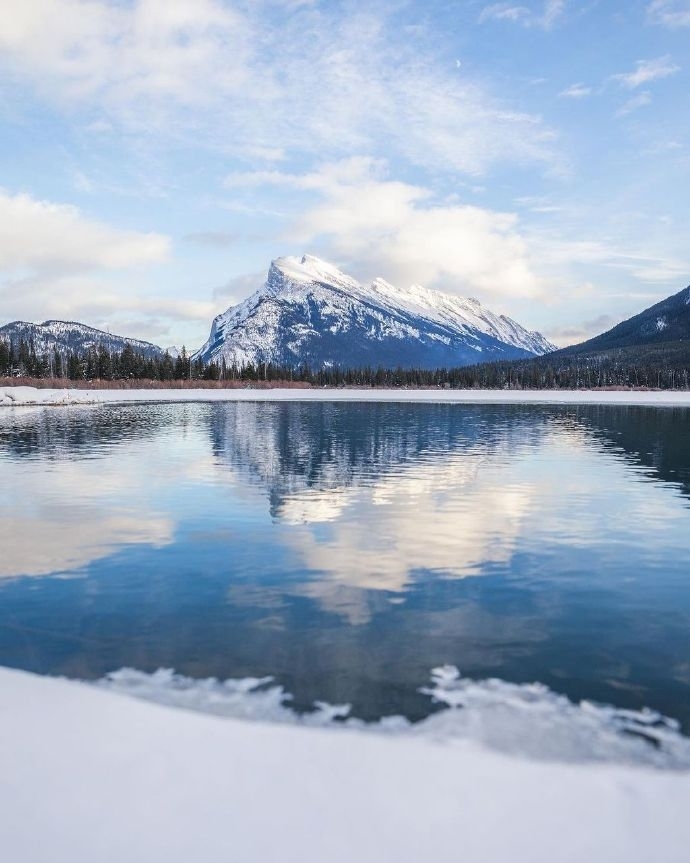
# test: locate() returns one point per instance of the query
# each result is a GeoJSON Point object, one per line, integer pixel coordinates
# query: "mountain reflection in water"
{"type": "Point", "coordinates": [348, 548]}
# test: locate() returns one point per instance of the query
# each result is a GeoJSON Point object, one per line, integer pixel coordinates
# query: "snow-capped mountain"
{"type": "Point", "coordinates": [310, 312]}
{"type": "Point", "coordinates": [70, 336]}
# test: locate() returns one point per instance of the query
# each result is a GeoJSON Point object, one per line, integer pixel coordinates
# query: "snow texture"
{"type": "Point", "coordinates": [309, 311]}
{"type": "Point", "coordinates": [65, 336]}
{"type": "Point", "coordinates": [518, 719]}
{"type": "Point", "coordinates": [91, 775]}
{"type": "Point", "coordinates": [15, 396]}
{"type": "Point", "coordinates": [18, 396]}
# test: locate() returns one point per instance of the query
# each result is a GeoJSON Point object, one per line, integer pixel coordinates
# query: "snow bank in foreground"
{"type": "Point", "coordinates": [518, 719]}
{"type": "Point", "coordinates": [90, 775]}
{"type": "Point", "coordinates": [14, 396]}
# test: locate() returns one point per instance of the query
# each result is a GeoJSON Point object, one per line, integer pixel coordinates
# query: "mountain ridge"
{"type": "Point", "coordinates": [664, 322]}
{"type": "Point", "coordinates": [68, 336]}
{"type": "Point", "coordinates": [308, 311]}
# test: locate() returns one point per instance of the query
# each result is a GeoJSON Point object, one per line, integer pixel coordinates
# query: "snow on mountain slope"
{"type": "Point", "coordinates": [665, 322]}
{"type": "Point", "coordinates": [71, 336]}
{"type": "Point", "coordinates": [310, 312]}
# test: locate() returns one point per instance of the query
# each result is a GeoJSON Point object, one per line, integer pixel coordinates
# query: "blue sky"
{"type": "Point", "coordinates": [155, 155]}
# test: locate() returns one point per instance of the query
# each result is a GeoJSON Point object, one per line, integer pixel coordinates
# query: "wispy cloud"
{"type": "Point", "coordinates": [670, 13]}
{"type": "Point", "coordinates": [644, 264]}
{"type": "Point", "coordinates": [576, 91]}
{"type": "Point", "coordinates": [238, 288]}
{"type": "Point", "coordinates": [215, 239]}
{"type": "Point", "coordinates": [553, 10]}
{"type": "Point", "coordinates": [546, 17]}
{"type": "Point", "coordinates": [634, 104]}
{"type": "Point", "coordinates": [263, 82]}
{"type": "Point", "coordinates": [503, 12]}
{"type": "Point", "coordinates": [580, 332]}
{"type": "Point", "coordinates": [647, 71]}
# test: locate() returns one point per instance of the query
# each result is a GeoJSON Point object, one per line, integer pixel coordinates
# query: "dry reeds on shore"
{"type": "Point", "coordinates": [67, 384]}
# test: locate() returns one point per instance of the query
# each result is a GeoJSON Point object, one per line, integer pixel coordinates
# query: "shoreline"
{"type": "Point", "coordinates": [24, 396]}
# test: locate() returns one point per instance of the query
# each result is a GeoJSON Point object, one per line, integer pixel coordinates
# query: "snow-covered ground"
{"type": "Point", "coordinates": [89, 774]}
{"type": "Point", "coordinates": [17, 396]}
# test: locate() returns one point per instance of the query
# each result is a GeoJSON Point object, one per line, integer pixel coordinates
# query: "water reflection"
{"type": "Point", "coordinates": [377, 494]}
{"type": "Point", "coordinates": [653, 438]}
{"type": "Point", "coordinates": [347, 549]}
{"type": "Point", "coordinates": [74, 491]}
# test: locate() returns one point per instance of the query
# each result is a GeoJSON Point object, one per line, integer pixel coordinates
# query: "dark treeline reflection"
{"type": "Point", "coordinates": [346, 549]}
{"type": "Point", "coordinates": [74, 432]}
{"type": "Point", "coordinates": [327, 444]}
{"type": "Point", "coordinates": [658, 439]}
{"type": "Point", "coordinates": [324, 445]}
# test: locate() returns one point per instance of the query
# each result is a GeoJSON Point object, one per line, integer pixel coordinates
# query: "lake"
{"type": "Point", "coordinates": [347, 549]}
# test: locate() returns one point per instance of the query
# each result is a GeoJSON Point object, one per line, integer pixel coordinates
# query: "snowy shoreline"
{"type": "Point", "coordinates": [94, 775]}
{"type": "Point", "coordinates": [23, 396]}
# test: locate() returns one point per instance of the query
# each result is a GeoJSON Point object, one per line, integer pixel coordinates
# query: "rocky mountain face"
{"type": "Point", "coordinates": [310, 312]}
{"type": "Point", "coordinates": [68, 336]}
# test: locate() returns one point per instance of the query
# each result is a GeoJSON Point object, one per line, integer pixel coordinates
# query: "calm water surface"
{"type": "Point", "coordinates": [347, 549]}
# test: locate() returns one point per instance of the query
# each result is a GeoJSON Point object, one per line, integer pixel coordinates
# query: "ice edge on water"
{"type": "Point", "coordinates": [515, 718]}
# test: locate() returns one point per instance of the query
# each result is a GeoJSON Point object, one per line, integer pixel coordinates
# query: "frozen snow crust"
{"type": "Point", "coordinates": [89, 775]}
{"type": "Point", "coordinates": [19, 396]}
{"type": "Point", "coordinates": [518, 719]}
{"type": "Point", "coordinates": [16, 396]}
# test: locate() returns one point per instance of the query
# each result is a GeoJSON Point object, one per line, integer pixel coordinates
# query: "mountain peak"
{"type": "Point", "coordinates": [309, 311]}
{"type": "Point", "coordinates": [309, 268]}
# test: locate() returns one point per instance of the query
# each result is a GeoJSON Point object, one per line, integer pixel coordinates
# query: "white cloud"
{"type": "Point", "coordinates": [545, 18]}
{"type": "Point", "coordinates": [646, 71]}
{"type": "Point", "coordinates": [57, 263]}
{"type": "Point", "coordinates": [503, 12]}
{"type": "Point", "coordinates": [122, 306]}
{"type": "Point", "coordinates": [633, 104]}
{"type": "Point", "coordinates": [576, 91]}
{"type": "Point", "coordinates": [121, 53]}
{"type": "Point", "coordinates": [263, 82]}
{"type": "Point", "coordinates": [398, 230]}
{"type": "Point", "coordinates": [559, 255]}
{"type": "Point", "coordinates": [43, 237]}
{"type": "Point", "coordinates": [553, 10]}
{"type": "Point", "coordinates": [670, 13]}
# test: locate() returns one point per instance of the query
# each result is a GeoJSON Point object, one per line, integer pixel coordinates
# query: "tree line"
{"type": "Point", "coordinates": [21, 359]}
{"type": "Point", "coordinates": [654, 367]}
